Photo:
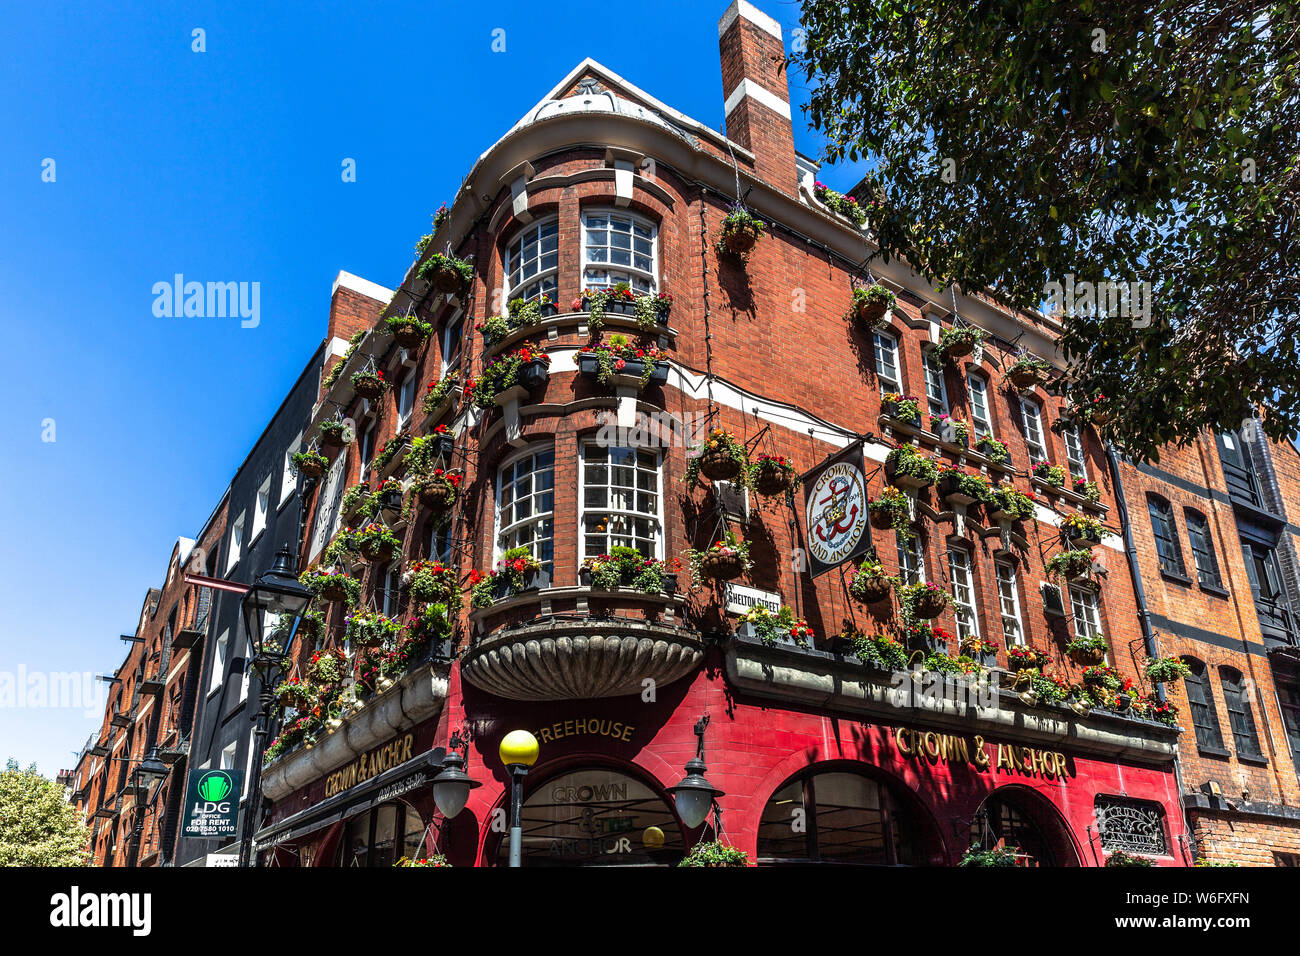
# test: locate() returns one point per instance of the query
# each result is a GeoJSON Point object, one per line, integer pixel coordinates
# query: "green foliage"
{"type": "Point", "coordinates": [438, 391]}
{"type": "Point", "coordinates": [396, 322]}
{"type": "Point", "coordinates": [310, 460]}
{"type": "Point", "coordinates": [906, 460]}
{"type": "Point", "coordinates": [1070, 564]}
{"type": "Point", "coordinates": [998, 856]}
{"type": "Point", "coordinates": [769, 627]}
{"type": "Point", "coordinates": [840, 204]}
{"type": "Point", "coordinates": [1084, 527]}
{"type": "Point", "coordinates": [893, 505]}
{"type": "Point", "coordinates": [959, 339]}
{"type": "Point", "coordinates": [994, 450]}
{"type": "Point", "coordinates": [1165, 670]}
{"type": "Point", "coordinates": [38, 826]}
{"type": "Point", "coordinates": [1016, 504]}
{"type": "Point", "coordinates": [1158, 142]}
{"type": "Point", "coordinates": [881, 652]}
{"type": "Point", "coordinates": [437, 262]}
{"type": "Point", "coordinates": [718, 440]}
{"type": "Point", "coordinates": [626, 567]}
{"type": "Point", "coordinates": [728, 544]}
{"type": "Point", "coordinates": [502, 373]}
{"type": "Point", "coordinates": [336, 370]}
{"type": "Point", "coordinates": [1120, 858]}
{"type": "Point", "coordinates": [1048, 473]}
{"type": "Point", "coordinates": [714, 853]}
{"type": "Point", "coordinates": [739, 220]}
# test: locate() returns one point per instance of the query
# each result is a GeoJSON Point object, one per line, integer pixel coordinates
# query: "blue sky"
{"type": "Point", "coordinates": [225, 166]}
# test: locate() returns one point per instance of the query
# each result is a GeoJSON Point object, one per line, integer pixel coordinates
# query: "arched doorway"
{"type": "Point", "coordinates": [844, 814]}
{"type": "Point", "coordinates": [382, 836]}
{"type": "Point", "coordinates": [597, 816]}
{"type": "Point", "coordinates": [1016, 817]}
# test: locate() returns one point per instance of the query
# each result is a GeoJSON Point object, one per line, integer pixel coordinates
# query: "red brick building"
{"type": "Point", "coordinates": [820, 756]}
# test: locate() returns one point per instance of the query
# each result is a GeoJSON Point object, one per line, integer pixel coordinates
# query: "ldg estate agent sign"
{"type": "Point", "coordinates": [212, 803]}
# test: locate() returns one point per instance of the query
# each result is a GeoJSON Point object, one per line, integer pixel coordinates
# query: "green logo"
{"type": "Point", "coordinates": [215, 786]}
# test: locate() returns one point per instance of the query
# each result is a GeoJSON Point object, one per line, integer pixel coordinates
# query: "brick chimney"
{"type": "Point", "coordinates": [757, 95]}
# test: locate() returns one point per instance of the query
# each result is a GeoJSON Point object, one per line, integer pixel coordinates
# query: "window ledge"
{"type": "Point", "coordinates": [1259, 760]}
{"type": "Point", "coordinates": [1215, 590]}
{"type": "Point", "coordinates": [1213, 752]}
{"type": "Point", "coordinates": [1177, 578]}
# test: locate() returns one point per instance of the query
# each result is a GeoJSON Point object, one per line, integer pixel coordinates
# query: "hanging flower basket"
{"type": "Point", "coordinates": [1023, 657]}
{"type": "Point", "coordinates": [773, 475]}
{"type": "Point", "coordinates": [310, 464]}
{"type": "Point", "coordinates": [440, 491]}
{"type": "Point", "coordinates": [369, 385]}
{"type": "Point", "coordinates": [871, 304]}
{"type": "Point", "coordinates": [960, 341]}
{"type": "Point", "coordinates": [722, 566]}
{"type": "Point", "coordinates": [881, 520]}
{"type": "Point", "coordinates": [870, 584]}
{"type": "Point", "coordinates": [376, 543]}
{"type": "Point", "coordinates": [1087, 651]}
{"type": "Point", "coordinates": [930, 605]}
{"type": "Point", "coordinates": [740, 231]}
{"type": "Point", "coordinates": [334, 434]}
{"type": "Point", "coordinates": [409, 332]}
{"type": "Point", "coordinates": [446, 274]}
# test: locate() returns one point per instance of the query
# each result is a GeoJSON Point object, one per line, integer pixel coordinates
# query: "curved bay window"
{"type": "Point", "coordinates": [532, 261]}
{"type": "Point", "coordinates": [620, 500]}
{"type": "Point", "coordinates": [526, 504]}
{"type": "Point", "coordinates": [382, 836]}
{"type": "Point", "coordinates": [839, 816]}
{"type": "Point", "coordinates": [597, 817]}
{"type": "Point", "coordinates": [618, 247]}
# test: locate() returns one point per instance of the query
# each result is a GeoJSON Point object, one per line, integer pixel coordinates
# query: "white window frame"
{"type": "Point", "coordinates": [962, 574]}
{"type": "Point", "coordinates": [883, 342]}
{"type": "Point", "coordinates": [499, 531]}
{"type": "Point", "coordinates": [261, 509]}
{"type": "Point", "coordinates": [287, 483]}
{"type": "Point", "coordinates": [932, 368]}
{"type": "Point", "coordinates": [657, 517]}
{"type": "Point", "coordinates": [1085, 612]}
{"type": "Point", "coordinates": [405, 395]}
{"type": "Point", "coordinates": [1032, 416]}
{"type": "Point", "coordinates": [391, 593]}
{"type": "Point", "coordinates": [1074, 458]}
{"type": "Point", "coordinates": [640, 280]}
{"type": "Point", "coordinates": [1013, 626]}
{"type": "Point", "coordinates": [366, 447]}
{"type": "Point", "coordinates": [229, 754]}
{"type": "Point", "coordinates": [450, 359]}
{"type": "Point", "coordinates": [236, 542]}
{"type": "Point", "coordinates": [440, 542]}
{"type": "Point", "coordinates": [543, 280]}
{"type": "Point", "coordinates": [220, 653]}
{"type": "Point", "coordinates": [911, 560]}
{"type": "Point", "coordinates": [982, 424]}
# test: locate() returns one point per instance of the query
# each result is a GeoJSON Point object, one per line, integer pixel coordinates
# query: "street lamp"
{"type": "Point", "coordinates": [276, 593]}
{"type": "Point", "coordinates": [518, 752]}
{"type": "Point", "coordinates": [452, 786]}
{"type": "Point", "coordinates": [149, 771]}
{"type": "Point", "coordinates": [694, 796]}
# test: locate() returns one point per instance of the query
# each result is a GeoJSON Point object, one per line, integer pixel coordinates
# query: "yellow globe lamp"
{"type": "Point", "coordinates": [653, 838]}
{"type": "Point", "coordinates": [518, 749]}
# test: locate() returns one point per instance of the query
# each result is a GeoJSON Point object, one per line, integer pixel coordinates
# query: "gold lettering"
{"type": "Point", "coordinates": [931, 743]}
{"type": "Point", "coordinates": [1060, 765]}
{"type": "Point", "coordinates": [903, 747]}
{"type": "Point", "coordinates": [627, 733]}
{"type": "Point", "coordinates": [981, 755]}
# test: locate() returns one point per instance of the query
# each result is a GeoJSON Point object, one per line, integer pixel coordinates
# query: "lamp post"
{"type": "Point", "coordinates": [146, 773]}
{"type": "Point", "coordinates": [452, 785]}
{"type": "Point", "coordinates": [694, 796]}
{"type": "Point", "coordinates": [518, 752]}
{"type": "Point", "coordinates": [277, 593]}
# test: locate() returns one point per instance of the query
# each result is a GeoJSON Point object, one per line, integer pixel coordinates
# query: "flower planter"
{"type": "Point", "coordinates": [739, 243]}
{"type": "Point", "coordinates": [1122, 702]}
{"type": "Point", "coordinates": [409, 336]}
{"type": "Point", "coordinates": [378, 552]}
{"type": "Point", "coordinates": [620, 307]}
{"type": "Point", "coordinates": [311, 469]}
{"type": "Point", "coordinates": [630, 374]}
{"type": "Point", "coordinates": [930, 605]}
{"type": "Point", "coordinates": [948, 491]}
{"type": "Point", "coordinates": [992, 454]}
{"type": "Point", "coordinates": [1078, 543]}
{"type": "Point", "coordinates": [914, 418]}
{"type": "Point", "coordinates": [881, 520]}
{"type": "Point", "coordinates": [446, 279]}
{"type": "Point", "coordinates": [370, 388]}
{"type": "Point", "coordinates": [1023, 377]}
{"type": "Point", "coordinates": [722, 566]}
{"type": "Point", "coordinates": [334, 593]}
{"type": "Point", "coordinates": [549, 309]}
{"type": "Point", "coordinates": [960, 348]}
{"type": "Point", "coordinates": [717, 465]}
{"type": "Point", "coordinates": [1025, 663]}
{"type": "Point", "coordinates": [870, 313]}
{"type": "Point", "coordinates": [533, 581]}
{"type": "Point", "coordinates": [747, 631]}
{"type": "Point", "coordinates": [533, 376]}
{"type": "Point", "coordinates": [873, 590]}
{"type": "Point", "coordinates": [434, 500]}
{"type": "Point", "coordinates": [900, 479]}
{"type": "Point", "coordinates": [773, 481]}
{"type": "Point", "coordinates": [927, 641]}
{"type": "Point", "coordinates": [948, 433]}
{"type": "Point", "coordinates": [1088, 657]}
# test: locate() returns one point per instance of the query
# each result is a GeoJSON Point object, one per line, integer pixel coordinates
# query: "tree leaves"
{"type": "Point", "coordinates": [1170, 158]}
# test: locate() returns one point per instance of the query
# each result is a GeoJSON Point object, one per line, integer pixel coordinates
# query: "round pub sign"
{"type": "Point", "coordinates": [835, 506]}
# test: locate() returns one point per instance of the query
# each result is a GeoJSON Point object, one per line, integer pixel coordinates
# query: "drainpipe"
{"type": "Point", "coordinates": [1144, 616]}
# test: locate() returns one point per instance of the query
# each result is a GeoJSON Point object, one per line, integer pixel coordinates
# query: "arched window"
{"type": "Point", "coordinates": [532, 261]}
{"type": "Point", "coordinates": [1240, 716]}
{"type": "Point", "coordinates": [618, 247]}
{"type": "Point", "coordinates": [1166, 534]}
{"type": "Point", "coordinates": [839, 816]}
{"type": "Point", "coordinates": [1022, 821]}
{"type": "Point", "coordinates": [382, 836]}
{"type": "Point", "coordinates": [1200, 698]}
{"type": "Point", "coordinates": [597, 817]}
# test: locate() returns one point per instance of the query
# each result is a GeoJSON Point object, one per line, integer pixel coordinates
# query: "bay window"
{"type": "Point", "coordinates": [619, 500]}
{"type": "Point", "coordinates": [532, 261]}
{"type": "Point", "coordinates": [618, 247]}
{"type": "Point", "coordinates": [526, 504]}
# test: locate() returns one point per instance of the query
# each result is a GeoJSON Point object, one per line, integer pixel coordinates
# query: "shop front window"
{"type": "Point", "coordinates": [839, 817]}
{"type": "Point", "coordinates": [597, 817]}
{"type": "Point", "coordinates": [382, 836]}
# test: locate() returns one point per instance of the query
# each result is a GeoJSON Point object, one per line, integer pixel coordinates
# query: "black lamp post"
{"type": "Point", "coordinates": [694, 796]}
{"type": "Point", "coordinates": [277, 593]}
{"type": "Point", "coordinates": [452, 785]}
{"type": "Point", "coordinates": [149, 771]}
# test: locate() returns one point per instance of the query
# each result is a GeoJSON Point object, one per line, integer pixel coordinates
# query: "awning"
{"type": "Point", "coordinates": [392, 783]}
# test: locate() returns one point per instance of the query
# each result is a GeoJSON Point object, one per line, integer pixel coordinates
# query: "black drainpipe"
{"type": "Point", "coordinates": [1144, 616]}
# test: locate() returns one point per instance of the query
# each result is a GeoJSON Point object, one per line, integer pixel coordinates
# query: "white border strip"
{"type": "Point", "coordinates": [766, 97]}
{"type": "Point", "coordinates": [750, 13]}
